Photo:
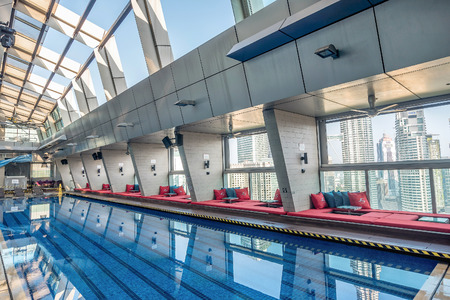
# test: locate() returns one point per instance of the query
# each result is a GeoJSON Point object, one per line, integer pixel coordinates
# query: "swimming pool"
{"type": "Point", "coordinates": [74, 248]}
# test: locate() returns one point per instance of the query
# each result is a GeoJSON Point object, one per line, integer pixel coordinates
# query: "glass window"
{"type": "Point", "coordinates": [420, 134]}
{"type": "Point", "coordinates": [250, 151]}
{"type": "Point", "coordinates": [263, 185]}
{"type": "Point", "coordinates": [132, 58]}
{"type": "Point", "coordinates": [442, 190]}
{"type": "Point", "coordinates": [178, 180]}
{"type": "Point", "coordinates": [237, 180]}
{"type": "Point", "coordinates": [343, 181]}
{"type": "Point", "coordinates": [40, 170]}
{"type": "Point", "coordinates": [175, 158]}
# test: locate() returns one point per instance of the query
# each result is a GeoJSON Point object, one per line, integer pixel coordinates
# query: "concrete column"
{"type": "Point", "coordinates": [85, 93]}
{"type": "Point", "coordinates": [290, 136]}
{"type": "Point", "coordinates": [110, 69]}
{"type": "Point", "coordinates": [66, 176]}
{"type": "Point", "coordinates": [95, 178]}
{"type": "Point", "coordinates": [153, 33]}
{"type": "Point", "coordinates": [142, 156]}
{"type": "Point", "coordinates": [202, 181]}
{"type": "Point", "coordinates": [113, 160]}
{"type": "Point", "coordinates": [76, 168]}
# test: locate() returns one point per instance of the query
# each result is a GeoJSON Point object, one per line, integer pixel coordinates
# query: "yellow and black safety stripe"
{"type": "Point", "coordinates": [432, 254]}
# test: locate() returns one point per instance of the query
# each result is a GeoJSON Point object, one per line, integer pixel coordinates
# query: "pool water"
{"type": "Point", "coordinates": [76, 248]}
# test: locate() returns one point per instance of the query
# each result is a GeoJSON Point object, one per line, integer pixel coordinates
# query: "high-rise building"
{"type": "Point", "coordinates": [434, 150]}
{"type": "Point", "coordinates": [411, 144]}
{"type": "Point", "coordinates": [357, 147]}
{"type": "Point", "coordinates": [387, 181]}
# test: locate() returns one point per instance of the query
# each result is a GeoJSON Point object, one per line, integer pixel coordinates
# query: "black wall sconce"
{"type": "Point", "coordinates": [121, 170]}
{"type": "Point", "coordinates": [153, 167]}
{"type": "Point", "coordinates": [304, 158]}
{"type": "Point", "coordinates": [206, 164]}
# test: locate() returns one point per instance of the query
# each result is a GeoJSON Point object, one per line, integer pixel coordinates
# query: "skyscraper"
{"type": "Point", "coordinates": [434, 150]}
{"type": "Point", "coordinates": [387, 181]}
{"type": "Point", "coordinates": [411, 144]}
{"type": "Point", "coordinates": [357, 147]}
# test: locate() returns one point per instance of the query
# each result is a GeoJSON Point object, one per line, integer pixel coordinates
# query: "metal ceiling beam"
{"type": "Point", "coordinates": [36, 48]}
{"type": "Point", "coordinates": [66, 49]}
{"type": "Point", "coordinates": [105, 39]}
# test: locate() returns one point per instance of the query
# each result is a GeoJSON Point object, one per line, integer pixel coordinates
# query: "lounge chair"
{"type": "Point", "coordinates": [18, 192]}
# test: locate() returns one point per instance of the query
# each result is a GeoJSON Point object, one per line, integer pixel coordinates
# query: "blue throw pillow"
{"type": "Point", "coordinates": [329, 197]}
{"type": "Point", "coordinates": [136, 187]}
{"type": "Point", "coordinates": [231, 192]}
{"type": "Point", "coordinates": [346, 198]}
{"type": "Point", "coordinates": [338, 198]}
{"type": "Point", "coordinates": [173, 187]}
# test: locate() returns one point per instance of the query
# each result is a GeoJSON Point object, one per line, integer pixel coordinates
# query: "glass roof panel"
{"type": "Point", "coordinates": [61, 80]}
{"type": "Point", "coordinates": [17, 62]}
{"type": "Point", "coordinates": [16, 72]}
{"type": "Point", "coordinates": [105, 12]}
{"type": "Point", "coordinates": [24, 43]}
{"type": "Point", "coordinates": [77, 7]}
{"type": "Point", "coordinates": [28, 19]}
{"type": "Point", "coordinates": [41, 72]}
{"type": "Point", "coordinates": [132, 58]}
{"type": "Point", "coordinates": [26, 28]}
{"type": "Point", "coordinates": [97, 81]}
{"type": "Point", "coordinates": [78, 52]}
{"type": "Point", "coordinates": [55, 40]}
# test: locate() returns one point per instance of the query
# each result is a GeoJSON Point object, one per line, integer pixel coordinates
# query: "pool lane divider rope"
{"type": "Point", "coordinates": [408, 250]}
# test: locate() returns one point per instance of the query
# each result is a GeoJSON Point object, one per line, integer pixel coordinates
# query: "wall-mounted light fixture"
{"type": "Point", "coordinates": [82, 172]}
{"type": "Point", "coordinates": [206, 161]}
{"type": "Point", "coordinates": [99, 167]}
{"type": "Point", "coordinates": [124, 125]}
{"type": "Point", "coordinates": [327, 51]}
{"type": "Point", "coordinates": [185, 103]}
{"type": "Point", "coordinates": [304, 158]}
{"type": "Point", "coordinates": [121, 168]}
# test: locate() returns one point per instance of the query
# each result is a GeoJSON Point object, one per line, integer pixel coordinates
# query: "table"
{"type": "Point", "coordinates": [170, 194]}
{"type": "Point", "coordinates": [434, 220]}
{"type": "Point", "coordinates": [271, 203]}
{"type": "Point", "coordinates": [347, 209]}
{"type": "Point", "coordinates": [230, 199]}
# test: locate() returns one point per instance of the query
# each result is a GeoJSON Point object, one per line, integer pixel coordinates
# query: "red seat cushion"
{"type": "Point", "coordinates": [220, 194]}
{"type": "Point", "coordinates": [180, 191]}
{"type": "Point", "coordinates": [359, 199]}
{"type": "Point", "coordinates": [403, 217]}
{"type": "Point", "coordinates": [164, 189]}
{"type": "Point", "coordinates": [242, 194]}
{"type": "Point", "coordinates": [278, 197]}
{"type": "Point", "coordinates": [318, 201]}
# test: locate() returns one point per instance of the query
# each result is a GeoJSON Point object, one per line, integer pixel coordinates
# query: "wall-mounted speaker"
{"type": "Point", "coordinates": [94, 156]}
{"type": "Point", "coordinates": [99, 155]}
{"type": "Point", "coordinates": [64, 162]}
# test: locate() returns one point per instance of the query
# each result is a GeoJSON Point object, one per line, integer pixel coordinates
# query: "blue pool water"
{"type": "Point", "coordinates": [75, 248]}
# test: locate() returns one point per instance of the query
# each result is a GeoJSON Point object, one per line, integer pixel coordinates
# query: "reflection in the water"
{"type": "Point", "coordinates": [74, 248]}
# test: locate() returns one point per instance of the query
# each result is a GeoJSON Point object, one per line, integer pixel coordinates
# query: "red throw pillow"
{"type": "Point", "coordinates": [164, 189]}
{"type": "Point", "coordinates": [105, 187]}
{"type": "Point", "coordinates": [242, 194]}
{"type": "Point", "coordinates": [129, 187]}
{"type": "Point", "coordinates": [88, 186]}
{"type": "Point", "coordinates": [359, 199]}
{"type": "Point", "coordinates": [180, 191]}
{"type": "Point", "coordinates": [220, 194]}
{"type": "Point", "coordinates": [278, 196]}
{"type": "Point", "coordinates": [318, 201]}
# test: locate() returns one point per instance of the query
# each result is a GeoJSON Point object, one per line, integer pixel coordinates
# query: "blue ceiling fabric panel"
{"type": "Point", "coordinates": [18, 159]}
{"type": "Point", "coordinates": [310, 19]}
